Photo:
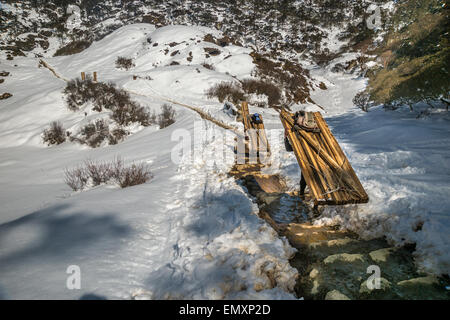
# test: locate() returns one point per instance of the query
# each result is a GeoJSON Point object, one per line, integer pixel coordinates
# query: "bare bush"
{"type": "Point", "coordinates": [124, 63]}
{"type": "Point", "coordinates": [76, 179]}
{"type": "Point", "coordinates": [126, 111]}
{"type": "Point", "coordinates": [362, 100]}
{"type": "Point", "coordinates": [117, 135]}
{"type": "Point", "coordinates": [55, 134]}
{"type": "Point", "coordinates": [208, 66]}
{"type": "Point", "coordinates": [166, 117]}
{"type": "Point", "coordinates": [133, 175]}
{"type": "Point", "coordinates": [79, 92]}
{"type": "Point", "coordinates": [262, 87]}
{"type": "Point", "coordinates": [106, 96]}
{"type": "Point", "coordinates": [97, 173]}
{"type": "Point", "coordinates": [226, 91]}
{"type": "Point", "coordinates": [94, 133]}
{"type": "Point", "coordinates": [73, 48]}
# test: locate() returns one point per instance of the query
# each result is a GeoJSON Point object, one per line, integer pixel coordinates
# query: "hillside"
{"type": "Point", "coordinates": [415, 56]}
{"type": "Point", "coordinates": [170, 77]}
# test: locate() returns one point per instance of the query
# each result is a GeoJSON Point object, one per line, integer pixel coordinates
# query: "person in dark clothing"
{"type": "Point", "coordinates": [302, 185]}
{"type": "Point", "coordinates": [289, 148]}
{"type": "Point", "coordinates": [256, 118]}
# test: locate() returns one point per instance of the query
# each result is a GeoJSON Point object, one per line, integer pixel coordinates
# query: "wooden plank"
{"type": "Point", "coordinates": [343, 176]}
{"type": "Point", "coordinates": [326, 169]}
{"type": "Point", "coordinates": [340, 156]}
{"type": "Point", "coordinates": [318, 174]}
{"type": "Point", "coordinates": [262, 137]}
{"type": "Point", "coordinates": [258, 141]}
{"type": "Point", "coordinates": [306, 169]}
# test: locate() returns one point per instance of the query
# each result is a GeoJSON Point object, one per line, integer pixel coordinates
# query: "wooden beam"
{"type": "Point", "coordinates": [326, 169]}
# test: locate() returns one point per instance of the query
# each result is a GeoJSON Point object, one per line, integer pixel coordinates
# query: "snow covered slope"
{"type": "Point", "coordinates": [191, 232]}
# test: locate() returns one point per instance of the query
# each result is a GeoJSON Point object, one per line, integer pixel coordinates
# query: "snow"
{"type": "Point", "coordinates": [402, 162]}
{"type": "Point", "coordinates": [192, 232]}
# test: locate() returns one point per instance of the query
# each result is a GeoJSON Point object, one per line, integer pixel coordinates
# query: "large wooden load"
{"type": "Point", "coordinates": [255, 133]}
{"type": "Point", "coordinates": [327, 171]}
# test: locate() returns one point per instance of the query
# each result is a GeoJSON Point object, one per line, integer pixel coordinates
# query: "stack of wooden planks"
{"type": "Point", "coordinates": [255, 132]}
{"type": "Point", "coordinates": [327, 171]}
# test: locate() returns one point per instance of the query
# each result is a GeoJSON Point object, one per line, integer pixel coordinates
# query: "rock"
{"type": "Point", "coordinates": [344, 257]}
{"type": "Point", "coordinates": [315, 288]}
{"type": "Point", "coordinates": [314, 273]}
{"type": "Point", "coordinates": [422, 288]}
{"type": "Point", "coordinates": [381, 255]}
{"type": "Point", "coordinates": [340, 242]}
{"type": "Point", "coordinates": [6, 95]}
{"type": "Point", "coordinates": [332, 243]}
{"type": "Point", "coordinates": [336, 295]}
{"type": "Point", "coordinates": [4, 73]}
{"type": "Point", "coordinates": [421, 281]}
{"type": "Point", "coordinates": [303, 234]}
{"type": "Point", "coordinates": [212, 51]}
{"type": "Point", "coordinates": [384, 285]}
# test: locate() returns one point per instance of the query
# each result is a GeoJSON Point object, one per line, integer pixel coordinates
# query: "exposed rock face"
{"type": "Point", "coordinates": [381, 255]}
{"type": "Point", "coordinates": [336, 295]}
{"type": "Point", "coordinates": [344, 257]}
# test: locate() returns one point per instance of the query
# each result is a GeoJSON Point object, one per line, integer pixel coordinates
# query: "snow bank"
{"type": "Point", "coordinates": [402, 163]}
{"type": "Point", "coordinates": [191, 232]}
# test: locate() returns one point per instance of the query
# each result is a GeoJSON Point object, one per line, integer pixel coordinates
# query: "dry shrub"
{"type": "Point", "coordinates": [73, 48]}
{"type": "Point", "coordinates": [124, 63]}
{"type": "Point", "coordinates": [226, 91]}
{"type": "Point", "coordinates": [166, 117]}
{"type": "Point", "coordinates": [117, 135]}
{"type": "Point", "coordinates": [126, 111]}
{"type": "Point", "coordinates": [212, 51]}
{"type": "Point", "coordinates": [97, 173]}
{"type": "Point", "coordinates": [262, 87]}
{"type": "Point", "coordinates": [76, 179]}
{"type": "Point", "coordinates": [208, 66]}
{"type": "Point", "coordinates": [106, 96]}
{"type": "Point", "coordinates": [6, 95]}
{"type": "Point", "coordinates": [133, 175]}
{"type": "Point", "coordinates": [55, 134]}
{"type": "Point", "coordinates": [290, 76]}
{"type": "Point", "coordinates": [94, 133]}
{"type": "Point", "coordinates": [79, 92]}
{"type": "Point", "coordinates": [362, 100]}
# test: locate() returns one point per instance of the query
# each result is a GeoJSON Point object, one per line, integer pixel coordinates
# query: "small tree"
{"type": "Point", "coordinates": [362, 100]}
